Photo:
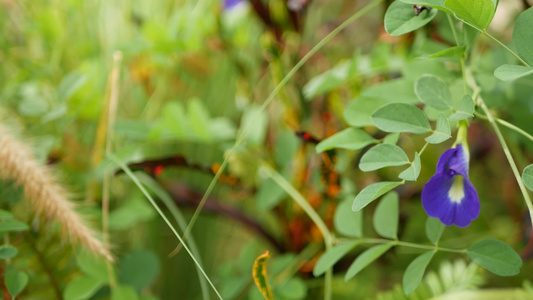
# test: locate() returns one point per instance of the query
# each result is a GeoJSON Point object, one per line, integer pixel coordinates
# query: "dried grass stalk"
{"type": "Point", "coordinates": [47, 197]}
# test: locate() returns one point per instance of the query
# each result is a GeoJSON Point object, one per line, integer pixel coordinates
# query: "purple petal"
{"type": "Point", "coordinates": [228, 4]}
{"type": "Point", "coordinates": [437, 202]}
{"type": "Point", "coordinates": [453, 161]}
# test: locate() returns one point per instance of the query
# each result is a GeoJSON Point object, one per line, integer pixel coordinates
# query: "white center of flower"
{"type": "Point", "coordinates": [457, 192]}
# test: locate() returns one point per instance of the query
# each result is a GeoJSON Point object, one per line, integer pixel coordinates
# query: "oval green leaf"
{"type": "Point", "coordinates": [348, 222]}
{"type": "Point", "coordinates": [15, 281]}
{"type": "Point", "coordinates": [415, 272]}
{"type": "Point", "coordinates": [349, 138]}
{"type": "Point", "coordinates": [365, 259]}
{"type": "Point", "coordinates": [495, 256]}
{"type": "Point", "coordinates": [476, 12]}
{"type": "Point", "coordinates": [400, 117]}
{"type": "Point", "coordinates": [442, 131]}
{"type": "Point", "coordinates": [527, 177]}
{"type": "Point", "coordinates": [8, 252]}
{"type": "Point", "coordinates": [360, 110]}
{"type": "Point", "coordinates": [386, 216]}
{"type": "Point", "coordinates": [456, 51]}
{"type": "Point", "coordinates": [464, 109]}
{"type": "Point", "coordinates": [12, 225]}
{"type": "Point", "coordinates": [412, 173]}
{"type": "Point", "coordinates": [523, 35]}
{"type": "Point", "coordinates": [512, 72]}
{"type": "Point", "coordinates": [332, 256]}
{"type": "Point", "coordinates": [383, 155]}
{"type": "Point", "coordinates": [432, 91]}
{"type": "Point", "coordinates": [372, 192]}
{"type": "Point", "coordinates": [123, 292]}
{"type": "Point", "coordinates": [434, 229]}
{"type": "Point", "coordinates": [82, 288]}
{"type": "Point", "coordinates": [400, 18]}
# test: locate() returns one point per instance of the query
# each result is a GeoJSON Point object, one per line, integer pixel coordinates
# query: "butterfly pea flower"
{"type": "Point", "coordinates": [229, 4]}
{"type": "Point", "coordinates": [449, 195]}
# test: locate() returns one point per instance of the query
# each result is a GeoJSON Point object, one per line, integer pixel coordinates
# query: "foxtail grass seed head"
{"type": "Point", "coordinates": [47, 198]}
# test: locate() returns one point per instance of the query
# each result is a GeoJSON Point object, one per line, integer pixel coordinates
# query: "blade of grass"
{"type": "Point", "coordinates": [180, 220]}
{"type": "Point", "coordinates": [135, 180]}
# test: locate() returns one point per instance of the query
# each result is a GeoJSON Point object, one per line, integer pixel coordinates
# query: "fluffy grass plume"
{"type": "Point", "coordinates": [48, 198]}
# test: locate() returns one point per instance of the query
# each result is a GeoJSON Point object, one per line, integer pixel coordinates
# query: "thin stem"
{"type": "Point", "coordinates": [505, 47]}
{"type": "Point", "coordinates": [133, 178]}
{"type": "Point", "coordinates": [270, 98]}
{"type": "Point", "coordinates": [510, 159]}
{"type": "Point", "coordinates": [423, 148]}
{"type": "Point", "coordinates": [298, 198]}
{"type": "Point", "coordinates": [112, 106]}
{"type": "Point", "coordinates": [508, 125]}
{"type": "Point", "coordinates": [404, 244]}
{"type": "Point", "coordinates": [455, 36]}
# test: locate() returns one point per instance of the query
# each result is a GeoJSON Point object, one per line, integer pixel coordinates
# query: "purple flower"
{"type": "Point", "coordinates": [228, 4]}
{"type": "Point", "coordinates": [449, 195]}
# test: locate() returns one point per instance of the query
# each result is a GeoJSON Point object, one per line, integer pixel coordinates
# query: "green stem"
{"type": "Point", "coordinates": [508, 125]}
{"type": "Point", "coordinates": [404, 244]}
{"type": "Point", "coordinates": [510, 159]}
{"type": "Point", "coordinates": [505, 47]}
{"type": "Point", "coordinates": [133, 178]}
{"type": "Point", "coordinates": [308, 209]}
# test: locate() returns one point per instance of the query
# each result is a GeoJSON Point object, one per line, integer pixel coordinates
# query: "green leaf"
{"type": "Point", "coordinates": [256, 121]}
{"type": "Point", "coordinates": [269, 194]}
{"type": "Point", "coordinates": [434, 229]}
{"type": "Point", "coordinates": [415, 272]}
{"type": "Point", "coordinates": [400, 18]}
{"type": "Point", "coordinates": [495, 256]}
{"type": "Point", "coordinates": [12, 225]}
{"type": "Point", "coordinates": [391, 138]}
{"type": "Point", "coordinates": [4, 214]}
{"type": "Point", "coordinates": [70, 84]}
{"type": "Point", "coordinates": [8, 252]}
{"type": "Point", "coordinates": [349, 138]}
{"type": "Point", "coordinates": [432, 91]}
{"type": "Point", "coordinates": [413, 171]}
{"type": "Point", "coordinates": [92, 265]}
{"type": "Point", "coordinates": [523, 35]}
{"type": "Point", "coordinates": [259, 274]}
{"type": "Point", "coordinates": [82, 288]}
{"type": "Point", "coordinates": [372, 192]}
{"type": "Point", "coordinates": [432, 3]}
{"type": "Point", "coordinates": [456, 51]}
{"type": "Point", "coordinates": [132, 212]}
{"type": "Point", "coordinates": [386, 216]}
{"type": "Point", "coordinates": [397, 90]}
{"type": "Point", "coordinates": [465, 109]}
{"type": "Point", "coordinates": [400, 117]}
{"type": "Point", "coordinates": [476, 12]}
{"type": "Point", "coordinates": [332, 256]}
{"type": "Point", "coordinates": [442, 131]}
{"type": "Point", "coordinates": [326, 81]}
{"type": "Point", "coordinates": [512, 72]}
{"type": "Point", "coordinates": [527, 177]}
{"type": "Point", "coordinates": [383, 155]}
{"type": "Point", "coordinates": [15, 281]}
{"type": "Point", "coordinates": [123, 292]}
{"type": "Point", "coordinates": [366, 258]}
{"type": "Point", "coordinates": [293, 289]}
{"type": "Point", "coordinates": [139, 269]}
{"type": "Point", "coordinates": [359, 111]}
{"type": "Point", "coordinates": [348, 222]}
